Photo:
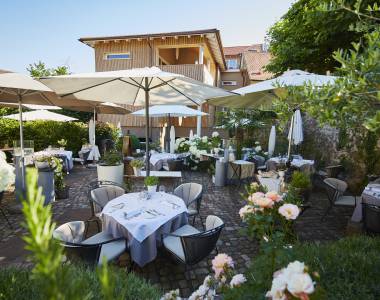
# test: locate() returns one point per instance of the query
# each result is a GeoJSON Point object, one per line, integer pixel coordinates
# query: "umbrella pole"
{"type": "Point", "coordinates": [147, 164]}
{"type": "Point", "coordinates": [168, 135]}
{"type": "Point", "coordinates": [22, 166]}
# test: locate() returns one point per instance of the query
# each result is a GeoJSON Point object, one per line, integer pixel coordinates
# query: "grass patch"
{"type": "Point", "coordinates": [17, 284]}
{"type": "Point", "coordinates": [348, 268]}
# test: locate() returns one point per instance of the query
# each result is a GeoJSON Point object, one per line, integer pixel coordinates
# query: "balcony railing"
{"type": "Point", "coordinates": [197, 72]}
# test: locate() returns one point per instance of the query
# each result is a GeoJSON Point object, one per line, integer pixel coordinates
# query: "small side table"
{"type": "Point", "coordinates": [242, 169]}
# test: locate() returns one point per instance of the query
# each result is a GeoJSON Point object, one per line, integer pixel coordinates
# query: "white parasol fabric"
{"type": "Point", "coordinates": [172, 139]}
{"type": "Point", "coordinates": [191, 134]}
{"type": "Point", "coordinates": [172, 110]}
{"type": "Point", "coordinates": [295, 135]}
{"type": "Point", "coordinates": [262, 94]}
{"type": "Point", "coordinates": [272, 141]}
{"type": "Point", "coordinates": [30, 106]}
{"type": "Point", "coordinates": [43, 115]}
{"type": "Point", "coordinates": [91, 132]}
{"type": "Point", "coordinates": [143, 86]}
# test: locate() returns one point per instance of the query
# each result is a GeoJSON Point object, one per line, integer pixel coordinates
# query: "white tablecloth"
{"type": "Point", "coordinates": [66, 156]}
{"type": "Point", "coordinates": [158, 160]}
{"type": "Point", "coordinates": [370, 195]}
{"type": "Point", "coordinates": [128, 216]}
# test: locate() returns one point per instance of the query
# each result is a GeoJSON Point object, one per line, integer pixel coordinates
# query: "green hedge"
{"type": "Point", "coordinates": [18, 284]}
{"type": "Point", "coordinates": [348, 268]}
{"type": "Point", "coordinates": [45, 133]}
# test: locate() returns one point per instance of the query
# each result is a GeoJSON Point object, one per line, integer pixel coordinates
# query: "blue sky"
{"type": "Point", "coordinates": [49, 30]}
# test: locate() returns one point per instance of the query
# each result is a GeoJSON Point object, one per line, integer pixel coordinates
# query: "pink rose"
{"type": "Point", "coordinates": [273, 196]}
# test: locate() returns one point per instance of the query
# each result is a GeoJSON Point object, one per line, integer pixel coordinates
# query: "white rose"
{"type": "Point", "coordinates": [7, 175]}
{"type": "Point", "coordinates": [258, 148]}
{"type": "Point", "coordinates": [278, 287]}
{"type": "Point", "coordinates": [204, 139]}
{"type": "Point", "coordinates": [295, 267]}
{"type": "Point", "coordinates": [202, 290]}
{"type": "Point", "coordinates": [215, 134]}
{"type": "Point", "coordinates": [300, 283]}
{"type": "Point", "coordinates": [3, 157]}
{"type": "Point", "coordinates": [237, 280]}
{"type": "Point", "coordinates": [289, 211]}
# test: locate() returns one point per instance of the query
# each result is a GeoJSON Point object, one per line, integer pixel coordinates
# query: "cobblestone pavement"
{"type": "Point", "coordinates": [224, 202]}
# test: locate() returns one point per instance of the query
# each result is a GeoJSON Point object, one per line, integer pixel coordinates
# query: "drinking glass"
{"type": "Point", "coordinates": [161, 189]}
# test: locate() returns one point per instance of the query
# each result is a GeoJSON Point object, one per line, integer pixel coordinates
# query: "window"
{"type": "Point", "coordinates": [110, 56]}
{"type": "Point", "coordinates": [232, 64]}
{"type": "Point", "coordinates": [229, 82]}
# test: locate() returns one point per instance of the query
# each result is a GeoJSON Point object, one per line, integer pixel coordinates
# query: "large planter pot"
{"type": "Point", "coordinates": [111, 173]}
{"type": "Point", "coordinates": [152, 188]}
{"type": "Point", "coordinates": [63, 194]}
{"type": "Point", "coordinates": [137, 171]}
{"type": "Point", "coordinates": [46, 182]}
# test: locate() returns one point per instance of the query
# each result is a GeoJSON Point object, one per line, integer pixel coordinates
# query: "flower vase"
{"type": "Point", "coordinates": [152, 188]}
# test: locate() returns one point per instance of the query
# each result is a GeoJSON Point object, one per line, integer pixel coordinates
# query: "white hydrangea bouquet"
{"type": "Point", "coordinates": [196, 146]}
{"type": "Point", "coordinates": [224, 278]}
{"type": "Point", "coordinates": [7, 174]}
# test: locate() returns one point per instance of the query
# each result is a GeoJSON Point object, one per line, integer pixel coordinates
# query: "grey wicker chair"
{"type": "Point", "coordinates": [335, 189]}
{"type": "Point", "coordinates": [371, 218]}
{"type": "Point", "coordinates": [91, 251]}
{"type": "Point", "coordinates": [189, 246]}
{"type": "Point", "coordinates": [191, 194]}
{"type": "Point", "coordinates": [97, 201]}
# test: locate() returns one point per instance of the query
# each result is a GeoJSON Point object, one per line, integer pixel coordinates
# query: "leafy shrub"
{"type": "Point", "coordinates": [45, 133]}
{"type": "Point", "coordinates": [15, 283]}
{"type": "Point", "coordinates": [137, 163]}
{"type": "Point", "coordinates": [300, 180]}
{"type": "Point", "coordinates": [151, 180]}
{"type": "Point", "coordinates": [348, 269]}
{"type": "Point", "coordinates": [135, 142]}
{"type": "Point", "coordinates": [111, 158]}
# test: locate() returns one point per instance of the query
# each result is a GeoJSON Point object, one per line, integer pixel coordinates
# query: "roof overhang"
{"type": "Point", "coordinates": [212, 37]}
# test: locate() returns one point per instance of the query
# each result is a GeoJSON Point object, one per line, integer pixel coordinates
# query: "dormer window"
{"type": "Point", "coordinates": [232, 64]}
{"type": "Point", "coordinates": [111, 56]}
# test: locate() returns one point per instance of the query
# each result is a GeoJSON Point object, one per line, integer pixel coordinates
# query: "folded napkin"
{"type": "Point", "coordinates": [132, 213]}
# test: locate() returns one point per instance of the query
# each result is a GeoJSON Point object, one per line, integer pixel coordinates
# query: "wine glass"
{"type": "Point", "coordinates": [161, 189]}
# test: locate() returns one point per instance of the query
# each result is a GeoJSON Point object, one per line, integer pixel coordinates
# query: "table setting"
{"type": "Point", "coordinates": [370, 195]}
{"type": "Point", "coordinates": [158, 160]}
{"type": "Point", "coordinates": [142, 218]}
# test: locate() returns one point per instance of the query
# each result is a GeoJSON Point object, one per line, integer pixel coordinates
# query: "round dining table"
{"type": "Point", "coordinates": [142, 218]}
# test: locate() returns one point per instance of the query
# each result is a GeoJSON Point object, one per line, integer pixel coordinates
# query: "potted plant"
{"type": "Point", "coordinates": [62, 144]}
{"type": "Point", "coordinates": [61, 189]}
{"type": "Point", "coordinates": [137, 164]}
{"type": "Point", "coordinates": [300, 184]}
{"type": "Point", "coordinates": [151, 183]}
{"type": "Point", "coordinates": [45, 163]}
{"type": "Point", "coordinates": [111, 168]}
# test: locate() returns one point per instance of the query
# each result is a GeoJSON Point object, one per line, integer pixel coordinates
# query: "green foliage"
{"type": "Point", "coordinates": [348, 269]}
{"type": "Point", "coordinates": [16, 283]}
{"type": "Point", "coordinates": [62, 142]}
{"type": "Point", "coordinates": [137, 163]}
{"type": "Point", "coordinates": [45, 133]}
{"type": "Point", "coordinates": [135, 142]}
{"type": "Point", "coordinates": [151, 180]}
{"type": "Point", "coordinates": [112, 158]}
{"type": "Point", "coordinates": [308, 34]}
{"type": "Point", "coordinates": [300, 180]}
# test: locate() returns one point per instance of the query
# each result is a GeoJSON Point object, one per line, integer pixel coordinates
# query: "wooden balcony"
{"type": "Point", "coordinates": [195, 71]}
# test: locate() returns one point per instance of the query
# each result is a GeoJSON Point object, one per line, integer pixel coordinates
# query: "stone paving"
{"type": "Point", "coordinates": [224, 202]}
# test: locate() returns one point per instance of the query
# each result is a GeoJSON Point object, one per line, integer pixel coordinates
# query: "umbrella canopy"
{"type": "Point", "coordinates": [41, 115]}
{"type": "Point", "coordinates": [272, 141]}
{"type": "Point", "coordinates": [262, 94]}
{"type": "Point", "coordinates": [30, 106]}
{"type": "Point", "coordinates": [23, 89]}
{"type": "Point", "coordinates": [295, 135]}
{"type": "Point", "coordinates": [143, 86]}
{"type": "Point", "coordinates": [170, 110]}
{"type": "Point", "coordinates": [93, 106]}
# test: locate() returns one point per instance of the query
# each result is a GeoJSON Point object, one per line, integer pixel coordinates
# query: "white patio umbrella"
{"type": "Point", "coordinates": [143, 86]}
{"type": "Point", "coordinates": [170, 111]}
{"type": "Point", "coordinates": [172, 139]}
{"type": "Point", "coordinates": [262, 94]}
{"type": "Point", "coordinates": [272, 141]}
{"type": "Point", "coordinates": [295, 135]}
{"type": "Point", "coordinates": [30, 106]}
{"type": "Point", "coordinates": [191, 134]}
{"type": "Point", "coordinates": [43, 115]}
{"type": "Point", "coordinates": [21, 89]}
